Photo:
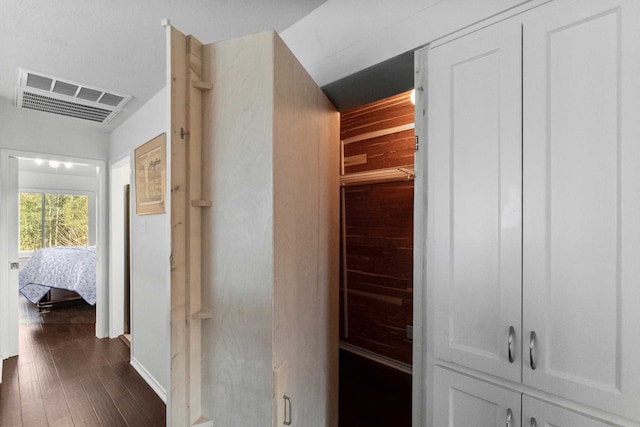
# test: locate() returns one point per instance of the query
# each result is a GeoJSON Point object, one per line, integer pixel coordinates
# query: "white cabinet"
{"type": "Point", "coordinates": [534, 208]}
{"type": "Point", "coordinates": [462, 401]}
{"type": "Point", "coordinates": [475, 105]}
{"type": "Point", "coordinates": [536, 413]}
{"type": "Point", "coordinates": [581, 205]}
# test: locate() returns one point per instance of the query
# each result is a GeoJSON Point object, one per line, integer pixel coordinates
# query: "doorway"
{"type": "Point", "coordinates": [75, 176]}
{"type": "Point", "coordinates": [119, 297]}
{"type": "Point", "coordinates": [376, 281]}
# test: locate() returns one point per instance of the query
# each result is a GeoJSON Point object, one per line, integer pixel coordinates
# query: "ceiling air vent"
{"type": "Point", "coordinates": [37, 91]}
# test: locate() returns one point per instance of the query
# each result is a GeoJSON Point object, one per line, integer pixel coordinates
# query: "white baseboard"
{"type": "Point", "coordinates": [155, 385]}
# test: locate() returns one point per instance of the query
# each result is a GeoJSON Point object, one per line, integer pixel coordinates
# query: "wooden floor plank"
{"type": "Point", "coordinates": [33, 414]}
{"type": "Point", "coordinates": [130, 410]}
{"type": "Point", "coordinates": [10, 374]}
{"type": "Point", "coordinates": [112, 382]}
{"type": "Point", "coordinates": [11, 418]}
{"type": "Point", "coordinates": [66, 377]}
{"type": "Point", "coordinates": [26, 355]}
{"type": "Point", "coordinates": [82, 412]}
{"type": "Point", "coordinates": [56, 408]}
{"type": "Point", "coordinates": [102, 403]}
{"type": "Point", "coordinates": [48, 377]}
{"type": "Point", "coordinates": [64, 422]}
{"type": "Point", "coordinates": [27, 372]}
{"type": "Point", "coordinates": [10, 410]}
{"type": "Point", "coordinates": [145, 396]}
{"type": "Point", "coordinates": [30, 392]}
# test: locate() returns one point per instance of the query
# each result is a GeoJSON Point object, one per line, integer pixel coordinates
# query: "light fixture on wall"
{"type": "Point", "coordinates": [54, 164]}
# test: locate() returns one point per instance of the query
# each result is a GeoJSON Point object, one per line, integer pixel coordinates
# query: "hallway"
{"type": "Point", "coordinates": [65, 376]}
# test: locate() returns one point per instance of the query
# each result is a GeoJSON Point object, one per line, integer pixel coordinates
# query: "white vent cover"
{"type": "Point", "coordinates": [37, 91]}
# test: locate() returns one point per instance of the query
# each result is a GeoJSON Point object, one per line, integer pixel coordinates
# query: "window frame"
{"type": "Point", "coordinates": [43, 192]}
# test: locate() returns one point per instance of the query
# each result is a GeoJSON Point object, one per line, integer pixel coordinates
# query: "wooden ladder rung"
{"type": "Point", "coordinates": [201, 203]}
{"type": "Point", "coordinates": [202, 85]}
{"type": "Point", "coordinates": [202, 314]}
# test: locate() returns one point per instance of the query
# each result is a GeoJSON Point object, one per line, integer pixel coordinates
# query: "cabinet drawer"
{"type": "Point", "coordinates": [536, 413]}
{"type": "Point", "coordinates": [462, 401]}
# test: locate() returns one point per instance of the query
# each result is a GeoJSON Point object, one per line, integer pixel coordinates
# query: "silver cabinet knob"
{"type": "Point", "coordinates": [532, 350]}
{"type": "Point", "coordinates": [287, 410]}
{"type": "Point", "coordinates": [511, 343]}
{"type": "Point", "coordinates": [509, 418]}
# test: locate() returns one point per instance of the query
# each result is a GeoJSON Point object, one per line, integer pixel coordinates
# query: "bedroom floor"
{"type": "Point", "coordinates": [64, 376]}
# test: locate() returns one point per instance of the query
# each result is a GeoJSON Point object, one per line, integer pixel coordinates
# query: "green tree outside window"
{"type": "Point", "coordinates": [53, 220]}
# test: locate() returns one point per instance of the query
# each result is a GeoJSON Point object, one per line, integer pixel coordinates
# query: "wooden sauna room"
{"type": "Point", "coordinates": [376, 261]}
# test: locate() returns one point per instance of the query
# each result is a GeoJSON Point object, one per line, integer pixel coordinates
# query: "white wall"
{"type": "Point", "coordinates": [331, 47]}
{"type": "Point", "coordinates": [150, 251]}
{"type": "Point", "coordinates": [57, 182]}
{"type": "Point", "coordinates": [149, 121]}
{"type": "Point", "coordinates": [39, 132]}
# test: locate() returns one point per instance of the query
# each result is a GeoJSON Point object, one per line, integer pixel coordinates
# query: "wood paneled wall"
{"type": "Point", "coordinates": [379, 224]}
{"type": "Point", "coordinates": [387, 151]}
{"type": "Point", "coordinates": [378, 135]}
{"type": "Point", "coordinates": [379, 231]}
{"type": "Point", "coordinates": [379, 115]}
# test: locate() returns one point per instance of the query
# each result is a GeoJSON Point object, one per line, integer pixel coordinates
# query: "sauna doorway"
{"type": "Point", "coordinates": [376, 262]}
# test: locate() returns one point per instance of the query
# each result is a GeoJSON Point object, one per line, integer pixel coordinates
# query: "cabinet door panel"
{"type": "Point", "coordinates": [581, 202]}
{"type": "Point", "coordinates": [475, 192]}
{"type": "Point", "coordinates": [540, 414]}
{"type": "Point", "coordinates": [461, 401]}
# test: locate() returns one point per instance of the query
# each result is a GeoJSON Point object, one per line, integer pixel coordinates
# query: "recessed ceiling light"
{"type": "Point", "coordinates": [54, 164]}
{"type": "Point", "coordinates": [38, 161]}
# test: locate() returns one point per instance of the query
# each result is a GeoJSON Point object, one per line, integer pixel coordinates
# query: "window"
{"type": "Point", "coordinates": [49, 219]}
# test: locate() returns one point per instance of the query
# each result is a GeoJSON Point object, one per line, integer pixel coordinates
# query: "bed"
{"type": "Point", "coordinates": [71, 268]}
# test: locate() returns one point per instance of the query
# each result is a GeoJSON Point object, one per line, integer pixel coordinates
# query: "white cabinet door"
{"type": "Point", "coordinates": [581, 207]}
{"type": "Point", "coordinates": [461, 401]}
{"type": "Point", "coordinates": [536, 413]}
{"type": "Point", "coordinates": [475, 196]}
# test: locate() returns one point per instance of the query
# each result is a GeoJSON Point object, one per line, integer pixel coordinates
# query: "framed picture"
{"type": "Point", "coordinates": [150, 176]}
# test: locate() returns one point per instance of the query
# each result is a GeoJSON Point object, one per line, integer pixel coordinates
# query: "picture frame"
{"type": "Point", "coordinates": [150, 176]}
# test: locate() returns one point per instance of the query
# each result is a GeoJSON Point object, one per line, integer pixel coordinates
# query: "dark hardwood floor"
{"type": "Point", "coordinates": [65, 376]}
{"type": "Point", "coordinates": [372, 394]}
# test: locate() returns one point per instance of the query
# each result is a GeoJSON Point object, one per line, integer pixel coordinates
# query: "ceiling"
{"type": "Point", "coordinates": [119, 45]}
{"type": "Point", "coordinates": [379, 81]}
